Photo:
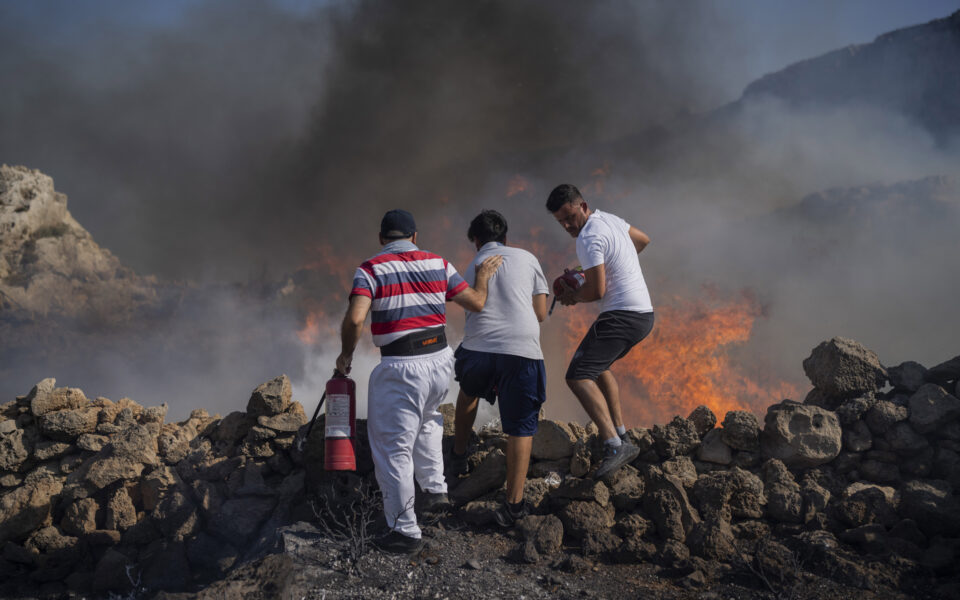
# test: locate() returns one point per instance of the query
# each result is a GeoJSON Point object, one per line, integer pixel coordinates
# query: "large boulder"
{"type": "Point", "coordinates": [883, 415]}
{"type": "Point", "coordinates": [800, 435]}
{"type": "Point", "coordinates": [726, 494]}
{"type": "Point", "coordinates": [844, 368]}
{"type": "Point", "coordinates": [270, 398]}
{"type": "Point", "coordinates": [946, 371]}
{"type": "Point", "coordinates": [543, 533]}
{"type": "Point", "coordinates": [931, 407]}
{"type": "Point", "coordinates": [552, 440]}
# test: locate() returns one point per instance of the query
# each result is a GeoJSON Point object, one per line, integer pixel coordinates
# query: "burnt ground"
{"type": "Point", "coordinates": [461, 561]}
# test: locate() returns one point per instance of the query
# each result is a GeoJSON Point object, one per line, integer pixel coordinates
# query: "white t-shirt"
{"type": "Point", "coordinates": [507, 324]}
{"type": "Point", "coordinates": [605, 240]}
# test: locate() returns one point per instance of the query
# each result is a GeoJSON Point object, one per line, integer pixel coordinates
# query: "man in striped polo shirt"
{"type": "Point", "coordinates": [405, 290]}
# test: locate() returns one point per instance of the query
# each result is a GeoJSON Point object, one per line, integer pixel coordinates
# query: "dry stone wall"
{"type": "Point", "coordinates": [867, 465]}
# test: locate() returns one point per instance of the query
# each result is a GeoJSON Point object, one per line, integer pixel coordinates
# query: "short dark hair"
{"type": "Point", "coordinates": [488, 226]}
{"type": "Point", "coordinates": [562, 194]}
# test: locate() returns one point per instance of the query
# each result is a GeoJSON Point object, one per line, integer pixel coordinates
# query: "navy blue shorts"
{"type": "Point", "coordinates": [519, 383]}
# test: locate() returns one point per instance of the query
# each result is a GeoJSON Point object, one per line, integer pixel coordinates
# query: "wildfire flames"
{"type": "Point", "coordinates": [685, 362]}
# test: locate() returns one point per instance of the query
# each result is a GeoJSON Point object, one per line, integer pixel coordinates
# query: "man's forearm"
{"type": "Point", "coordinates": [350, 335]}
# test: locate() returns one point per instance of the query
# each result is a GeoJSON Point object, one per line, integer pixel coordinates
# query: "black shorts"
{"type": "Point", "coordinates": [609, 339]}
{"type": "Point", "coordinates": [519, 383]}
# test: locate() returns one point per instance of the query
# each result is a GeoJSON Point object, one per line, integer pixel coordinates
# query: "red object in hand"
{"type": "Point", "coordinates": [341, 425]}
{"type": "Point", "coordinates": [574, 278]}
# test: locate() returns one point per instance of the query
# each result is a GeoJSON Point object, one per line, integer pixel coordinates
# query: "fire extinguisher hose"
{"type": "Point", "coordinates": [302, 440]}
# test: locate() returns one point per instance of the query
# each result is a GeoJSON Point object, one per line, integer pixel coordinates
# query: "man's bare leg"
{"type": "Point", "coordinates": [591, 398]}
{"type": "Point", "coordinates": [463, 421]}
{"type": "Point", "coordinates": [611, 393]}
{"type": "Point", "coordinates": [518, 460]}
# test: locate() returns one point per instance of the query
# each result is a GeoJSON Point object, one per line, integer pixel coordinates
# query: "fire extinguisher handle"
{"type": "Point", "coordinates": [337, 373]}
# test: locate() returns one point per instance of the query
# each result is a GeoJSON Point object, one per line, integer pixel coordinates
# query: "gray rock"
{"type": "Point", "coordinates": [815, 498]}
{"type": "Point", "coordinates": [289, 420]}
{"type": "Point", "coordinates": [7, 426]}
{"type": "Point", "coordinates": [543, 468]}
{"type": "Point", "coordinates": [80, 517]}
{"type": "Point", "coordinates": [240, 518]}
{"type": "Point", "coordinates": [270, 398]}
{"type": "Point", "coordinates": [92, 442]}
{"type": "Point", "coordinates": [853, 410]}
{"type": "Point", "coordinates": [907, 376]}
{"type": "Point", "coordinates": [817, 397]}
{"type": "Point", "coordinates": [931, 407]}
{"type": "Point", "coordinates": [486, 476]}
{"type": "Point", "coordinates": [880, 472]}
{"type": "Point", "coordinates": [209, 556]}
{"type": "Point", "coordinates": [713, 450]}
{"type": "Point", "coordinates": [44, 398]}
{"type": "Point", "coordinates": [904, 440]}
{"type": "Point", "coordinates": [946, 371]}
{"type": "Point", "coordinates": [665, 501]}
{"type": "Point", "coordinates": [677, 438]}
{"type": "Point", "coordinates": [641, 438]}
{"type": "Point", "coordinates": [553, 440]}
{"type": "Point", "coordinates": [104, 471]}
{"type": "Point", "coordinates": [746, 460]}
{"type": "Point", "coordinates": [27, 508]}
{"type": "Point", "coordinates": [883, 415]}
{"type": "Point", "coordinates": [627, 490]}
{"type": "Point", "coordinates": [479, 512]}
{"type": "Point", "coordinates": [580, 462]}
{"type": "Point", "coordinates": [784, 501]}
{"type": "Point", "coordinates": [862, 503]}
{"type": "Point", "coordinates": [703, 419]}
{"type": "Point", "coordinates": [632, 524]}
{"type": "Point", "coordinates": [857, 437]}
{"type": "Point", "coordinates": [119, 513]}
{"type": "Point", "coordinates": [726, 494]}
{"type": "Point", "coordinates": [581, 517]}
{"type": "Point", "coordinates": [13, 450]}
{"type": "Point", "coordinates": [574, 488]}
{"type": "Point", "coordinates": [110, 574]}
{"type": "Point", "coordinates": [68, 424]}
{"type": "Point", "coordinates": [741, 430]}
{"type": "Point", "coordinates": [800, 435]}
{"type": "Point", "coordinates": [600, 543]}
{"type": "Point", "coordinates": [932, 505]}
{"type": "Point", "coordinates": [844, 368]}
{"type": "Point", "coordinates": [712, 540]}
{"type": "Point", "coordinates": [544, 533]}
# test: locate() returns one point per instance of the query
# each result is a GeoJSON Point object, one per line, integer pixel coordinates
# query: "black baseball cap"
{"type": "Point", "coordinates": [397, 224]}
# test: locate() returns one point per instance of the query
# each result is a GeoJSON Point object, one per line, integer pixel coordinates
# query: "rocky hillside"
{"type": "Point", "coordinates": [852, 492]}
{"type": "Point", "coordinates": [914, 71]}
{"type": "Point", "coordinates": [51, 266]}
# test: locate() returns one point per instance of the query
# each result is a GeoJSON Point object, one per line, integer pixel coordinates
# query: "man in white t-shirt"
{"type": "Point", "coordinates": [500, 357]}
{"type": "Point", "coordinates": [607, 247]}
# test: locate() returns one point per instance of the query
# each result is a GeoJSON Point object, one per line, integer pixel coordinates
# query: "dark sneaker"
{"type": "Point", "coordinates": [616, 457]}
{"type": "Point", "coordinates": [435, 503]}
{"type": "Point", "coordinates": [507, 516]}
{"type": "Point", "coordinates": [395, 542]}
{"type": "Point", "coordinates": [458, 464]}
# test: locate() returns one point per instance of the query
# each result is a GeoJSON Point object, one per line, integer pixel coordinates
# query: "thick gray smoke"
{"type": "Point", "coordinates": [248, 141]}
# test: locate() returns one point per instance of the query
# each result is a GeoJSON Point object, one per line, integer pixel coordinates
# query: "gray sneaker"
{"type": "Point", "coordinates": [616, 457]}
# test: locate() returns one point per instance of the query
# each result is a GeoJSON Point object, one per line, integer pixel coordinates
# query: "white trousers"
{"type": "Point", "coordinates": [406, 431]}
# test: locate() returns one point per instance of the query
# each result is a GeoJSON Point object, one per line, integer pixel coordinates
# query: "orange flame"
{"type": "Point", "coordinates": [685, 361]}
{"type": "Point", "coordinates": [517, 185]}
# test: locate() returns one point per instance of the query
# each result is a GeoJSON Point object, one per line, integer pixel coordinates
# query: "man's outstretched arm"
{"type": "Point", "coordinates": [474, 298]}
{"type": "Point", "coordinates": [351, 329]}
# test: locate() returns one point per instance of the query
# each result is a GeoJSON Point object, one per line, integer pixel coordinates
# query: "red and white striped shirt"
{"type": "Point", "coordinates": [409, 289]}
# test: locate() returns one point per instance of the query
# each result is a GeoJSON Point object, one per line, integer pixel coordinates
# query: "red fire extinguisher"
{"type": "Point", "coordinates": [338, 453]}
{"type": "Point", "coordinates": [574, 278]}
{"type": "Point", "coordinates": [341, 421]}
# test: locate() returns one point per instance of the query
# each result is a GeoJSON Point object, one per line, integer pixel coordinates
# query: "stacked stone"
{"type": "Point", "coordinates": [851, 468]}
{"type": "Point", "coordinates": [93, 490]}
